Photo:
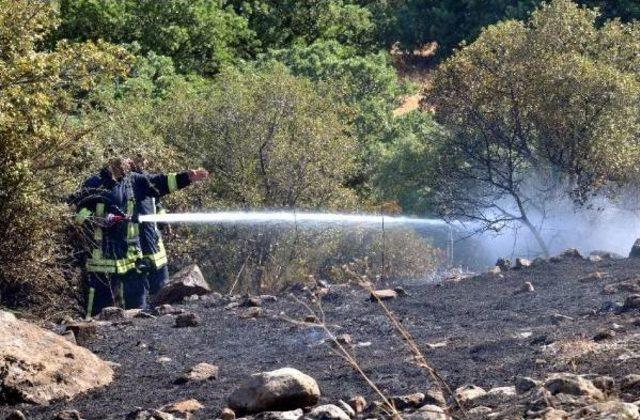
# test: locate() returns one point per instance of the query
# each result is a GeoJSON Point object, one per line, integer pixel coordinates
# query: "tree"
{"type": "Point", "coordinates": [534, 107]}
{"type": "Point", "coordinates": [199, 35]}
{"type": "Point", "coordinates": [41, 94]}
{"type": "Point", "coordinates": [283, 23]}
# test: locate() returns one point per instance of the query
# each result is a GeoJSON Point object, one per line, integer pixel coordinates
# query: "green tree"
{"type": "Point", "coordinates": [199, 35]}
{"type": "Point", "coordinates": [40, 142]}
{"type": "Point", "coordinates": [533, 107]}
{"type": "Point", "coordinates": [283, 23]}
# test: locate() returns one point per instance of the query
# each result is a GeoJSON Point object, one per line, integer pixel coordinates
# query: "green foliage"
{"type": "Point", "coordinates": [284, 23]}
{"type": "Point", "coordinates": [41, 92]}
{"type": "Point", "coordinates": [554, 100]}
{"type": "Point", "coordinates": [199, 35]}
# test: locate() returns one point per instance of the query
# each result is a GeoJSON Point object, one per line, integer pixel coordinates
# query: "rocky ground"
{"type": "Point", "coordinates": [514, 328]}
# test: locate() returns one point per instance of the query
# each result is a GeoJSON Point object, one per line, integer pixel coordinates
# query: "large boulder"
{"type": "Point", "coordinates": [186, 282]}
{"type": "Point", "coordinates": [279, 390]}
{"type": "Point", "coordinates": [635, 249]}
{"type": "Point", "coordinates": [568, 383]}
{"type": "Point", "coordinates": [37, 366]}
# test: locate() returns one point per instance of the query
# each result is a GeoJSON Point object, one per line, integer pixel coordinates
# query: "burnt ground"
{"type": "Point", "coordinates": [491, 333]}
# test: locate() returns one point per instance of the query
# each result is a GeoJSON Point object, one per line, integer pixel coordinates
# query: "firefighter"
{"type": "Point", "coordinates": [153, 251]}
{"type": "Point", "coordinates": [109, 202]}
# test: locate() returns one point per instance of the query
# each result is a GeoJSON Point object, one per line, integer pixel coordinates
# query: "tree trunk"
{"type": "Point", "coordinates": [537, 235]}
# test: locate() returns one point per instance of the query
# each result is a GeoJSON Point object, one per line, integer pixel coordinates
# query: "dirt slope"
{"type": "Point", "coordinates": [492, 333]}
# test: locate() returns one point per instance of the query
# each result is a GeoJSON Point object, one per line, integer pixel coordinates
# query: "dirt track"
{"type": "Point", "coordinates": [491, 333]}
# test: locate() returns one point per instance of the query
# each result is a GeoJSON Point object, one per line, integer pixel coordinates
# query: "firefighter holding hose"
{"type": "Point", "coordinates": [109, 202]}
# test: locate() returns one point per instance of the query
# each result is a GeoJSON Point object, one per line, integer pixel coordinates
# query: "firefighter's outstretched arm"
{"type": "Point", "coordinates": [158, 185]}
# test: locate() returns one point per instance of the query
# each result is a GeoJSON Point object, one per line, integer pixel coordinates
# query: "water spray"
{"type": "Point", "coordinates": [248, 217]}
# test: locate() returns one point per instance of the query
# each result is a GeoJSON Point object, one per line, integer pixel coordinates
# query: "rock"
{"type": "Point", "coordinates": [83, 331]}
{"type": "Point", "coordinates": [68, 415]}
{"type": "Point", "coordinates": [503, 391]}
{"type": "Point", "coordinates": [280, 415]}
{"type": "Point", "coordinates": [347, 408]}
{"type": "Point", "coordinates": [434, 396]}
{"type": "Point", "coordinates": [111, 313]}
{"type": "Point", "coordinates": [69, 336]}
{"type": "Point", "coordinates": [186, 282]}
{"type": "Point", "coordinates": [606, 255]}
{"type": "Point", "coordinates": [37, 366]}
{"type": "Point", "coordinates": [358, 403]}
{"type": "Point", "coordinates": [252, 313]}
{"type": "Point", "coordinates": [428, 412]}
{"type": "Point", "coordinates": [480, 411]}
{"type": "Point", "coordinates": [142, 414]}
{"type": "Point", "coordinates": [383, 294]}
{"type": "Point", "coordinates": [602, 382]}
{"type": "Point", "coordinates": [630, 383]}
{"type": "Point", "coordinates": [559, 318]}
{"type": "Point", "coordinates": [251, 301]}
{"type": "Point", "coordinates": [604, 335]}
{"type": "Point", "coordinates": [527, 287]}
{"type": "Point", "coordinates": [200, 372]}
{"type": "Point", "coordinates": [495, 270]}
{"type": "Point", "coordinates": [552, 414]}
{"type": "Point", "coordinates": [468, 393]}
{"type": "Point", "coordinates": [610, 410]}
{"type": "Point", "coordinates": [567, 253]}
{"type": "Point", "coordinates": [167, 309]}
{"type": "Point", "coordinates": [227, 414]}
{"type": "Point", "coordinates": [522, 263]}
{"type": "Point", "coordinates": [327, 412]}
{"type": "Point", "coordinates": [635, 249]}
{"type": "Point", "coordinates": [282, 389]}
{"type": "Point", "coordinates": [188, 320]}
{"type": "Point", "coordinates": [593, 277]}
{"type": "Point", "coordinates": [163, 359]}
{"type": "Point", "coordinates": [632, 302]}
{"type": "Point", "coordinates": [525, 384]}
{"type": "Point", "coordinates": [183, 407]}
{"type": "Point", "coordinates": [568, 383]}
{"type": "Point", "coordinates": [504, 264]}
{"type": "Point", "coordinates": [414, 400]}
{"type": "Point", "coordinates": [15, 415]}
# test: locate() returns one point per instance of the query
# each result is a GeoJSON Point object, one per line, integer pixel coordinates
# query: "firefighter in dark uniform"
{"type": "Point", "coordinates": [110, 201]}
{"type": "Point", "coordinates": [153, 251]}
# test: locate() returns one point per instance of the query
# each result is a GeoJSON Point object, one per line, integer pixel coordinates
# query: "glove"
{"type": "Point", "coordinates": [113, 219]}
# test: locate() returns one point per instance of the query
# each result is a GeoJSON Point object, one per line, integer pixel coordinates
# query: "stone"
{"type": "Point", "coordinates": [252, 312]}
{"type": "Point", "coordinates": [358, 403]}
{"type": "Point", "coordinates": [610, 410]}
{"type": "Point", "coordinates": [227, 414]}
{"type": "Point", "coordinates": [557, 319]}
{"type": "Point", "coordinates": [278, 390]}
{"type": "Point", "coordinates": [15, 415]}
{"type": "Point", "coordinates": [383, 294]}
{"type": "Point", "coordinates": [163, 359]}
{"type": "Point", "coordinates": [434, 396]}
{"type": "Point", "coordinates": [347, 408]}
{"type": "Point", "coordinates": [37, 366]}
{"type": "Point", "coordinates": [167, 309]}
{"type": "Point", "coordinates": [188, 320]}
{"type": "Point", "coordinates": [522, 263]}
{"type": "Point", "coordinates": [480, 411]}
{"type": "Point", "coordinates": [186, 282]}
{"type": "Point", "coordinates": [527, 287]}
{"type": "Point", "coordinates": [632, 302]}
{"type": "Point", "coordinates": [602, 382]}
{"type": "Point", "coordinates": [503, 391]}
{"type": "Point", "coordinates": [68, 415]}
{"type": "Point", "coordinates": [83, 331]}
{"type": "Point", "coordinates": [525, 384]}
{"type": "Point", "coordinates": [183, 407]}
{"type": "Point", "coordinates": [568, 383]}
{"type": "Point", "coordinates": [495, 270]}
{"type": "Point", "coordinates": [504, 264]}
{"type": "Point", "coordinates": [606, 255]}
{"type": "Point", "coordinates": [635, 249]}
{"type": "Point", "coordinates": [280, 415]}
{"type": "Point", "coordinates": [142, 414]}
{"type": "Point", "coordinates": [69, 336]}
{"type": "Point", "coordinates": [111, 313]}
{"type": "Point", "coordinates": [403, 402]}
{"type": "Point", "coordinates": [428, 412]}
{"type": "Point", "coordinates": [630, 383]}
{"type": "Point", "coordinates": [468, 393]}
{"type": "Point", "coordinates": [593, 277]}
{"type": "Point", "coordinates": [200, 372]}
{"type": "Point", "coordinates": [251, 301]}
{"type": "Point", "coordinates": [327, 412]}
{"type": "Point", "coordinates": [604, 335]}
